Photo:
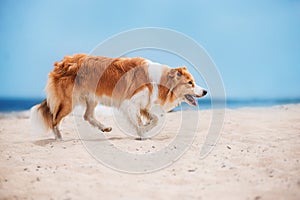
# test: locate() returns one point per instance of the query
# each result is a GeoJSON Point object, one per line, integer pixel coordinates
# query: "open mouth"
{"type": "Point", "coordinates": [190, 99]}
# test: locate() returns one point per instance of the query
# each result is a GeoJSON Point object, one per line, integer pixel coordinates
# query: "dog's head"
{"type": "Point", "coordinates": [184, 86]}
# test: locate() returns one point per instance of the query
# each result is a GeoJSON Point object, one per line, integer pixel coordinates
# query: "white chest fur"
{"type": "Point", "coordinates": [155, 72]}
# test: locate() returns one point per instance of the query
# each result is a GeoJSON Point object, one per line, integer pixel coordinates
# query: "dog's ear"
{"type": "Point", "coordinates": [172, 73]}
{"type": "Point", "coordinates": [177, 72]}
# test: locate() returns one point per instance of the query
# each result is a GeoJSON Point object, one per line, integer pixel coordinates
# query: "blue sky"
{"type": "Point", "coordinates": [255, 44]}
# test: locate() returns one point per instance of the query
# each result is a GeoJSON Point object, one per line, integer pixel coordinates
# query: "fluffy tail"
{"type": "Point", "coordinates": [41, 117]}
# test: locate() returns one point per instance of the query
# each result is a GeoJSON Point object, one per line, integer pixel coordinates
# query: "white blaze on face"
{"type": "Point", "coordinates": [199, 91]}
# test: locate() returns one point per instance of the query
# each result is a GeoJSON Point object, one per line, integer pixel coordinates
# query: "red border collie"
{"type": "Point", "coordinates": [132, 85]}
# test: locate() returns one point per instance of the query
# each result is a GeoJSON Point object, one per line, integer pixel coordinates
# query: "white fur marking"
{"type": "Point", "coordinates": [198, 90]}
{"type": "Point", "coordinates": [141, 99]}
{"type": "Point", "coordinates": [155, 73]}
{"type": "Point", "coordinates": [37, 122]}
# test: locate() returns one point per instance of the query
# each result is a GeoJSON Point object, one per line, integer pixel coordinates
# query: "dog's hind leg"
{"type": "Point", "coordinates": [63, 110]}
{"type": "Point", "coordinates": [57, 133]}
{"type": "Point", "coordinates": [89, 116]}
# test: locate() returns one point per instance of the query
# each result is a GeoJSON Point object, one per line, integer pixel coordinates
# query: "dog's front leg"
{"type": "Point", "coordinates": [152, 121]}
{"type": "Point", "coordinates": [133, 114]}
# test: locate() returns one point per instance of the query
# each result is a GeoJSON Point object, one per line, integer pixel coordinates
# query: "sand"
{"type": "Point", "coordinates": [256, 157]}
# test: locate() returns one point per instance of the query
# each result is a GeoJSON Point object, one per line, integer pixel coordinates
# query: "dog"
{"type": "Point", "coordinates": [133, 85]}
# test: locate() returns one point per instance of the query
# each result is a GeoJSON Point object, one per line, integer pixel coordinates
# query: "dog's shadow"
{"type": "Point", "coordinates": [45, 142]}
{"type": "Point", "coordinates": [104, 139]}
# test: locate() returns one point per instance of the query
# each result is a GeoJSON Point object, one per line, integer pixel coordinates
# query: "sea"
{"type": "Point", "coordinates": [21, 104]}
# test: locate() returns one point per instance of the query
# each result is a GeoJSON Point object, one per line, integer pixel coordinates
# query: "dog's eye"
{"type": "Point", "coordinates": [190, 82]}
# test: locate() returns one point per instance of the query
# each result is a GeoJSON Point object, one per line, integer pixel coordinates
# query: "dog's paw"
{"type": "Point", "coordinates": [154, 119]}
{"type": "Point", "coordinates": [141, 138]}
{"type": "Point", "coordinates": [106, 129]}
{"type": "Point", "coordinates": [58, 139]}
{"type": "Point", "coordinates": [142, 132]}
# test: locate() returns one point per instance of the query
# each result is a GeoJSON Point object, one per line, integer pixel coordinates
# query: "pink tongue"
{"type": "Point", "coordinates": [191, 99]}
{"type": "Point", "coordinates": [194, 102]}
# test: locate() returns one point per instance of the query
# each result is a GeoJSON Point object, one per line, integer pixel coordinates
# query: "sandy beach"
{"type": "Point", "coordinates": [256, 157]}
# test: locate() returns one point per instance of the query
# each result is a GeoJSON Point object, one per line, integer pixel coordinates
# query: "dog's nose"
{"type": "Point", "coordinates": [204, 92]}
